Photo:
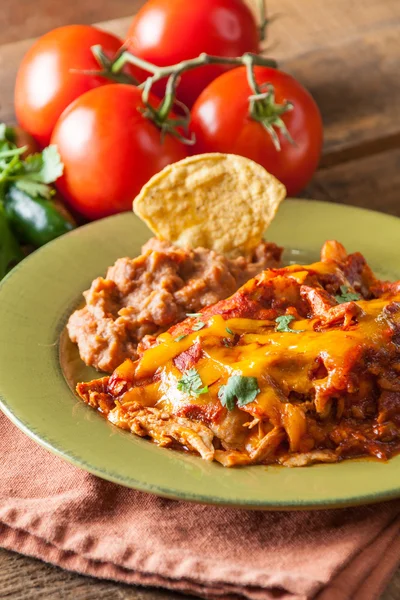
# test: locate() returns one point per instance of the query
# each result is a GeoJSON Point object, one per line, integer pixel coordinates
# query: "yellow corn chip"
{"type": "Point", "coordinates": [219, 201]}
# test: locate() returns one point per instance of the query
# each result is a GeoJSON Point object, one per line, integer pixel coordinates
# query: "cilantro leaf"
{"type": "Point", "coordinates": [33, 164]}
{"type": "Point", "coordinates": [52, 166]}
{"type": "Point", "coordinates": [193, 314]}
{"type": "Point", "coordinates": [346, 295]}
{"type": "Point", "coordinates": [31, 175]}
{"type": "Point", "coordinates": [239, 390]}
{"type": "Point", "coordinates": [191, 383]}
{"type": "Point", "coordinates": [34, 189]}
{"type": "Point", "coordinates": [283, 322]}
{"type": "Point", "coordinates": [180, 337]}
{"type": "Point", "coordinates": [199, 325]}
{"type": "Point", "coordinates": [44, 167]}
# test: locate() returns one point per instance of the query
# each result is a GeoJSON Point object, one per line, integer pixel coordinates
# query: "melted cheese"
{"type": "Point", "coordinates": [282, 362]}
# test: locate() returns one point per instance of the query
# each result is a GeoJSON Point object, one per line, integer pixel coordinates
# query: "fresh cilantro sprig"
{"type": "Point", "coordinates": [283, 324]}
{"type": "Point", "coordinates": [238, 391]}
{"type": "Point", "coordinates": [191, 383]}
{"type": "Point", "coordinates": [33, 174]}
{"type": "Point", "coordinates": [346, 295]}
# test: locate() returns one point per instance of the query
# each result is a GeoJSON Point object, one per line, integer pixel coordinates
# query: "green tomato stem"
{"type": "Point", "coordinates": [127, 57]}
{"type": "Point", "coordinates": [161, 115]}
{"type": "Point", "coordinates": [186, 65]}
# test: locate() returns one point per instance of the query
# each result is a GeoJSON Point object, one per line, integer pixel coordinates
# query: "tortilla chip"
{"type": "Point", "coordinates": [219, 201]}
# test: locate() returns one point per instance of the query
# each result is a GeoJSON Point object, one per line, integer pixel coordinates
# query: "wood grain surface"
{"type": "Point", "coordinates": [27, 19]}
{"type": "Point", "coordinates": [347, 52]}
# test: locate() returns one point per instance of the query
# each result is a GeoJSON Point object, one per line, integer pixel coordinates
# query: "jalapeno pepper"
{"type": "Point", "coordinates": [36, 221]}
{"type": "Point", "coordinates": [10, 252]}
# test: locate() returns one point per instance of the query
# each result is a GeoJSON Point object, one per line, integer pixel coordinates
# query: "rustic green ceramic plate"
{"type": "Point", "coordinates": [38, 368]}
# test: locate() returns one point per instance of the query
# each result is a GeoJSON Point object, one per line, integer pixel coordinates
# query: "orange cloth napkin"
{"type": "Point", "coordinates": [54, 511]}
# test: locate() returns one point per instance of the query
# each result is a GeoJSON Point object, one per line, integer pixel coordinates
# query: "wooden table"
{"type": "Point", "coordinates": [347, 52]}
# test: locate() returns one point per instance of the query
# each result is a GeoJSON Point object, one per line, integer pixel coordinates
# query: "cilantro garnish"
{"type": "Point", "coordinates": [283, 322]}
{"type": "Point", "coordinates": [193, 315]}
{"type": "Point", "coordinates": [239, 390]}
{"type": "Point", "coordinates": [199, 325]}
{"type": "Point", "coordinates": [346, 295]}
{"type": "Point", "coordinates": [191, 383]}
{"type": "Point", "coordinates": [229, 330]}
{"type": "Point", "coordinates": [180, 337]}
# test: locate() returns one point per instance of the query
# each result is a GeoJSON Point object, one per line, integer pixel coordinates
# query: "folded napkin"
{"type": "Point", "coordinates": [54, 511]}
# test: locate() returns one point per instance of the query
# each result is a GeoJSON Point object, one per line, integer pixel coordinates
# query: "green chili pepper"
{"type": "Point", "coordinates": [36, 221]}
{"type": "Point", "coordinates": [10, 252]}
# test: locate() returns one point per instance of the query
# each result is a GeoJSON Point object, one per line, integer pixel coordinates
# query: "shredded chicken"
{"type": "Point", "coordinates": [308, 458]}
{"type": "Point", "coordinates": [164, 429]}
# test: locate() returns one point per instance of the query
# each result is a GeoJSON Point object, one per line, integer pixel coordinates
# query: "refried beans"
{"type": "Point", "coordinates": [142, 297]}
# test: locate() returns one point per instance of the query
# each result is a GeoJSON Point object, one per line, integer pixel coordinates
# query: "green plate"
{"type": "Point", "coordinates": [38, 368]}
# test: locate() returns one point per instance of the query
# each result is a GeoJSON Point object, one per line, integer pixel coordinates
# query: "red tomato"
{"type": "Point", "coordinates": [109, 150]}
{"type": "Point", "coordinates": [166, 32]}
{"type": "Point", "coordinates": [46, 85]}
{"type": "Point", "coordinates": [221, 123]}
